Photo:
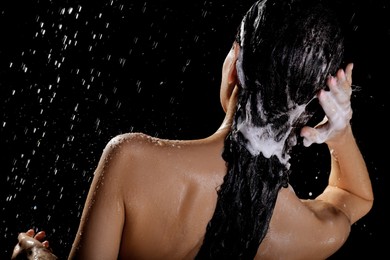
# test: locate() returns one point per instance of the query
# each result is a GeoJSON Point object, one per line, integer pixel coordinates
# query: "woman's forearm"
{"type": "Point", "coordinates": [348, 168]}
{"type": "Point", "coordinates": [349, 181]}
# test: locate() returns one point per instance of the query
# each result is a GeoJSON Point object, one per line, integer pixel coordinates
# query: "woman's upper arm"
{"type": "Point", "coordinates": [100, 230]}
{"type": "Point", "coordinates": [304, 229]}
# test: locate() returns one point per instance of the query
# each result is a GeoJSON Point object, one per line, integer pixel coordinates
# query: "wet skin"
{"type": "Point", "coordinates": [152, 198]}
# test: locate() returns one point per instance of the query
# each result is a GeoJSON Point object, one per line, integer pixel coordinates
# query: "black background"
{"type": "Point", "coordinates": [73, 74]}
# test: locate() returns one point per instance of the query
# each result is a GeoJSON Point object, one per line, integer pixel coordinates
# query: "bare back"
{"type": "Point", "coordinates": [162, 194]}
{"type": "Point", "coordinates": [171, 198]}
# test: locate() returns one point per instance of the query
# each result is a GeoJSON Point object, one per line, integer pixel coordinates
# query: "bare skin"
{"type": "Point", "coordinates": [152, 198]}
{"type": "Point", "coordinates": [31, 247]}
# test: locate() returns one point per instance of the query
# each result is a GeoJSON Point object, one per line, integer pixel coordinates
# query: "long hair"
{"type": "Point", "coordinates": [288, 48]}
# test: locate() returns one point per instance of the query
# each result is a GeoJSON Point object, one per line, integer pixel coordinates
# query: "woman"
{"type": "Point", "coordinates": [228, 196]}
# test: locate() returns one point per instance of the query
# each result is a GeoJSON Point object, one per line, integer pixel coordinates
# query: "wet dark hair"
{"type": "Point", "coordinates": [288, 48]}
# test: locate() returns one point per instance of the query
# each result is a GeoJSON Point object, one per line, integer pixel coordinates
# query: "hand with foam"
{"type": "Point", "coordinates": [337, 107]}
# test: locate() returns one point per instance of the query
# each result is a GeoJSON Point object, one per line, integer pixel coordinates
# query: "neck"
{"type": "Point", "coordinates": [225, 126]}
{"type": "Point", "coordinates": [228, 120]}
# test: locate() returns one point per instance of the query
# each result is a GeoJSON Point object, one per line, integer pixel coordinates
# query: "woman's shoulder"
{"type": "Point", "coordinates": [135, 138]}
{"type": "Point", "coordinates": [143, 148]}
{"type": "Point", "coordinates": [143, 143]}
{"type": "Point", "coordinates": [140, 154]}
{"type": "Point", "coordinates": [133, 142]}
{"type": "Point", "coordinates": [139, 138]}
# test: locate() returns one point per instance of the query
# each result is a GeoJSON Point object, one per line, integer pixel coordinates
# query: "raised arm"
{"type": "Point", "coordinates": [349, 187]}
{"type": "Point", "coordinates": [315, 229]}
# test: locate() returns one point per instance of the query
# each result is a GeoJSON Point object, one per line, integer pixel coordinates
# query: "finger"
{"type": "Point", "coordinates": [23, 235]}
{"type": "Point", "coordinates": [348, 72]}
{"type": "Point", "coordinates": [336, 100]}
{"type": "Point", "coordinates": [341, 75]}
{"type": "Point", "coordinates": [338, 113]}
{"type": "Point", "coordinates": [306, 133]}
{"type": "Point", "coordinates": [40, 235]}
{"type": "Point", "coordinates": [313, 135]}
{"type": "Point", "coordinates": [328, 104]}
{"type": "Point", "coordinates": [45, 244]}
{"type": "Point", "coordinates": [344, 80]}
{"type": "Point", "coordinates": [339, 86]}
{"type": "Point", "coordinates": [30, 232]}
{"type": "Point", "coordinates": [333, 86]}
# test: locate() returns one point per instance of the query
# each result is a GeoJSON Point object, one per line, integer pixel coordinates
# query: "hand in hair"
{"type": "Point", "coordinates": [337, 106]}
